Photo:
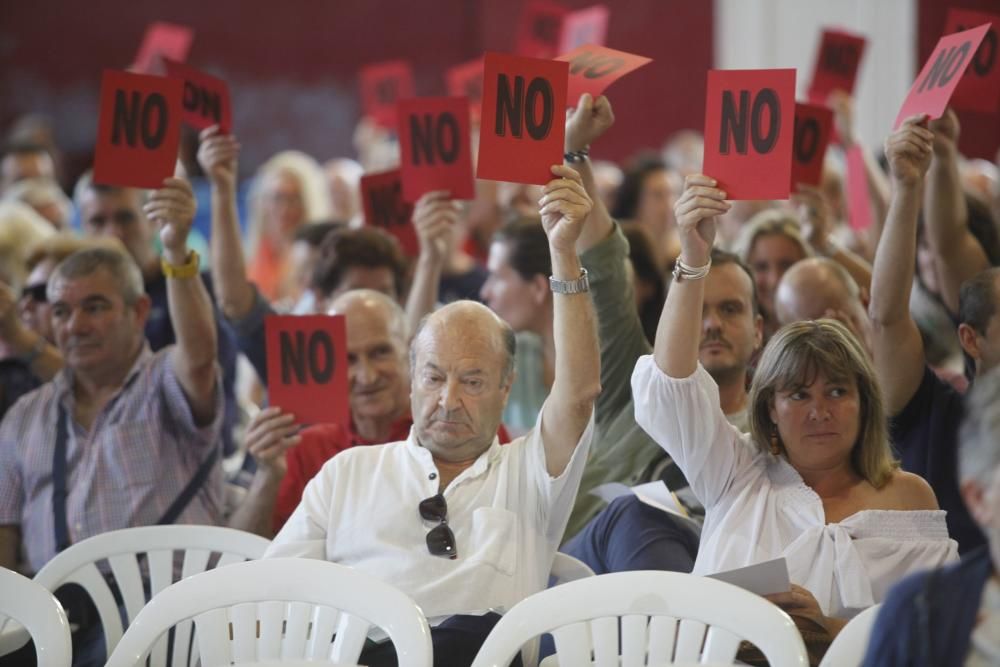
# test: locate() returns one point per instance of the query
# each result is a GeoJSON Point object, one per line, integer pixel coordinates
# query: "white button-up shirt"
{"type": "Point", "coordinates": [507, 513]}
{"type": "Point", "coordinates": [758, 507]}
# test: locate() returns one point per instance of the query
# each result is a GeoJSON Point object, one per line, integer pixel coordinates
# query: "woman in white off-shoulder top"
{"type": "Point", "coordinates": [815, 480]}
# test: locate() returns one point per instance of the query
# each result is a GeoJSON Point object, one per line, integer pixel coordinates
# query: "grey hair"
{"type": "Point", "coordinates": [123, 269]}
{"type": "Point", "coordinates": [979, 438]}
{"type": "Point", "coordinates": [506, 333]}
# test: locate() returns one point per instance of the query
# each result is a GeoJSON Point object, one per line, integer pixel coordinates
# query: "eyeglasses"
{"type": "Point", "coordinates": [36, 293]}
{"type": "Point", "coordinates": [440, 541]}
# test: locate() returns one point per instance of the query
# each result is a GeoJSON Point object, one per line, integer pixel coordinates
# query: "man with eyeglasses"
{"type": "Point", "coordinates": [464, 526]}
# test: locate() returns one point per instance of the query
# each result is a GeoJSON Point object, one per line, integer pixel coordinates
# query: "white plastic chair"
{"type": "Point", "coordinates": [131, 551]}
{"type": "Point", "coordinates": [41, 614]}
{"type": "Point", "coordinates": [849, 646]}
{"type": "Point", "coordinates": [281, 609]}
{"type": "Point", "coordinates": [662, 617]}
{"type": "Point", "coordinates": [566, 568]}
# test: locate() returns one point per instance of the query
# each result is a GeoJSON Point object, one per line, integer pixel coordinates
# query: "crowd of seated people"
{"type": "Point", "coordinates": [796, 384]}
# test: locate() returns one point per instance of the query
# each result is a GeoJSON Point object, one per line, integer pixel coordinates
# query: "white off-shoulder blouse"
{"type": "Point", "coordinates": [758, 508]}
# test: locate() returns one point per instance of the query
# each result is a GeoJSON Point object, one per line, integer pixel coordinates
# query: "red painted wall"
{"type": "Point", "coordinates": [980, 132]}
{"type": "Point", "coordinates": [291, 65]}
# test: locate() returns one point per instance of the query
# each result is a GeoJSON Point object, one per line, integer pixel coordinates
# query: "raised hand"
{"type": "Point", "coordinates": [843, 116]}
{"type": "Point", "coordinates": [697, 212]}
{"type": "Point", "coordinates": [587, 122]}
{"type": "Point", "coordinates": [814, 215]}
{"type": "Point", "coordinates": [172, 208]}
{"type": "Point", "coordinates": [217, 155]}
{"type": "Point", "coordinates": [946, 130]}
{"type": "Point", "coordinates": [908, 150]}
{"type": "Point", "coordinates": [270, 434]}
{"type": "Point", "coordinates": [564, 206]}
{"type": "Point", "coordinates": [435, 216]}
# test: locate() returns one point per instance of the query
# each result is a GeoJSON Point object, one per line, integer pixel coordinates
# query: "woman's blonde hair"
{"type": "Point", "coordinates": [312, 184]}
{"type": "Point", "coordinates": [793, 358]}
{"type": "Point", "coordinates": [772, 221]}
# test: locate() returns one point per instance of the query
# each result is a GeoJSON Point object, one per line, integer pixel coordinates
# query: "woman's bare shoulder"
{"type": "Point", "coordinates": [906, 491]}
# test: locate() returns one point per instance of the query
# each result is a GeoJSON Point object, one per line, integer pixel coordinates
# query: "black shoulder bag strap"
{"type": "Point", "coordinates": [59, 481]}
{"type": "Point", "coordinates": [59, 491]}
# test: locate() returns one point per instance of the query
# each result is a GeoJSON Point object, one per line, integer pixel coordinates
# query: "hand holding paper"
{"type": "Point", "coordinates": [564, 206]}
{"type": "Point", "coordinates": [946, 130]}
{"type": "Point", "coordinates": [908, 151]}
{"type": "Point", "coordinates": [270, 434]}
{"type": "Point", "coordinates": [217, 155]}
{"type": "Point", "coordinates": [435, 217]}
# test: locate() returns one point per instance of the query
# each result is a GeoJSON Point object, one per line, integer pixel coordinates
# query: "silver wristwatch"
{"type": "Point", "coordinates": [578, 286]}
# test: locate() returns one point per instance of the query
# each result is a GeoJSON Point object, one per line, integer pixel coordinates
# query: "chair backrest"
{"type": "Point", "coordinates": [281, 609]}
{"type": "Point", "coordinates": [565, 568]}
{"type": "Point", "coordinates": [849, 646]}
{"type": "Point", "coordinates": [153, 555]}
{"type": "Point", "coordinates": [41, 614]}
{"type": "Point", "coordinates": [656, 618]}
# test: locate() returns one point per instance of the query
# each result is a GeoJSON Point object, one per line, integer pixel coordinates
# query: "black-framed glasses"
{"type": "Point", "coordinates": [440, 541]}
{"type": "Point", "coordinates": [36, 292]}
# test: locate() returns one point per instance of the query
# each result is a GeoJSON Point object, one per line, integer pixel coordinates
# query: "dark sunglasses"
{"type": "Point", "coordinates": [36, 293]}
{"type": "Point", "coordinates": [440, 541]}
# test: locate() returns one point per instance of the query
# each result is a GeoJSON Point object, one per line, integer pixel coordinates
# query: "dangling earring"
{"type": "Point", "coordinates": [775, 440]}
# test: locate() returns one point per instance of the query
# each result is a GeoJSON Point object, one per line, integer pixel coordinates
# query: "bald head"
{"type": "Point", "coordinates": [812, 287]}
{"type": "Point", "coordinates": [368, 303]}
{"type": "Point", "coordinates": [468, 318]}
{"type": "Point", "coordinates": [817, 287]}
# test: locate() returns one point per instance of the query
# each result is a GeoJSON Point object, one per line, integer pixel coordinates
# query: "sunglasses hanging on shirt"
{"type": "Point", "coordinates": [440, 541]}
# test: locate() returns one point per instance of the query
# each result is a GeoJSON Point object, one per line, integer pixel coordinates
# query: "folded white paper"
{"type": "Point", "coordinates": [761, 578]}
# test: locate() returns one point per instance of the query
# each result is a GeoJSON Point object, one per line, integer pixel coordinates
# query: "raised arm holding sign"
{"type": "Point", "coordinates": [749, 126]}
{"type": "Point", "coordinates": [139, 129]}
{"type": "Point", "coordinates": [522, 130]}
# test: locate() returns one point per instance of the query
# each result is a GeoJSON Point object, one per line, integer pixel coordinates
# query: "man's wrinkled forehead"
{"type": "Point", "coordinates": [453, 346]}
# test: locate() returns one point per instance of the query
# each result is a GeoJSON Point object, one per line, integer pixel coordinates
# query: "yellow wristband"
{"type": "Point", "coordinates": [188, 269]}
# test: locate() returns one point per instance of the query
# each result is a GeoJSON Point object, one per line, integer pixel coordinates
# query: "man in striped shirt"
{"type": "Point", "coordinates": [121, 436]}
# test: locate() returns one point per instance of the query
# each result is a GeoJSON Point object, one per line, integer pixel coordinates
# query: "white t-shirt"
{"type": "Point", "coordinates": [507, 513]}
{"type": "Point", "coordinates": [758, 508]}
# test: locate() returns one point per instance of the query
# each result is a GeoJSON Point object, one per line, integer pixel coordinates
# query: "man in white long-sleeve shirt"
{"type": "Point", "coordinates": [464, 526]}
